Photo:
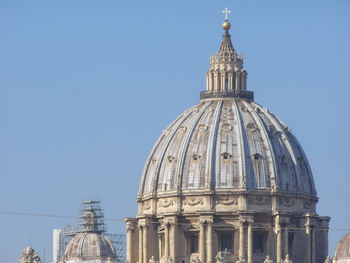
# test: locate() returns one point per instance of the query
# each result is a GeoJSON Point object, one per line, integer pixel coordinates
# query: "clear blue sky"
{"type": "Point", "coordinates": [87, 86]}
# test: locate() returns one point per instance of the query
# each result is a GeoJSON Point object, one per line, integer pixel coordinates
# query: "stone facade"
{"type": "Point", "coordinates": [227, 182]}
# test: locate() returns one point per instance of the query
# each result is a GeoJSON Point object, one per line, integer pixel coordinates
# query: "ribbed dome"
{"type": "Point", "coordinates": [89, 246]}
{"type": "Point", "coordinates": [342, 251]}
{"type": "Point", "coordinates": [227, 144]}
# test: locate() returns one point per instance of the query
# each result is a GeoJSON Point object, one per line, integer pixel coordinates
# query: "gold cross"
{"type": "Point", "coordinates": [226, 11]}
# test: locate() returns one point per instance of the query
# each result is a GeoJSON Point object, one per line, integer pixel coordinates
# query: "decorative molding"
{"type": "Point", "coordinates": [170, 158]}
{"type": "Point", "coordinates": [226, 127]}
{"type": "Point", "coordinates": [226, 200]}
{"type": "Point", "coordinates": [287, 202]}
{"type": "Point", "coordinates": [259, 200]}
{"type": "Point", "coordinates": [202, 128]}
{"type": "Point", "coordinates": [166, 202]}
{"type": "Point", "coordinates": [153, 161]}
{"type": "Point", "coordinates": [182, 129]}
{"type": "Point", "coordinates": [147, 205]}
{"type": "Point", "coordinates": [193, 201]}
{"type": "Point", "coordinates": [130, 227]}
{"type": "Point", "coordinates": [307, 204]}
{"type": "Point", "coordinates": [226, 156]}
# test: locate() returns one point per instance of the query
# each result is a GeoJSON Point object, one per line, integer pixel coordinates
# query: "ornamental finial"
{"type": "Point", "coordinates": [226, 25]}
{"type": "Point", "coordinates": [226, 11]}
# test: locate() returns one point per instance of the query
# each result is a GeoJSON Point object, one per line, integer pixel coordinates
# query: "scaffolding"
{"type": "Point", "coordinates": [90, 220]}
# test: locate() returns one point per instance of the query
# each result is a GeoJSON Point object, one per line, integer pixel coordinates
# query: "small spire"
{"type": "Point", "coordinates": [226, 76]}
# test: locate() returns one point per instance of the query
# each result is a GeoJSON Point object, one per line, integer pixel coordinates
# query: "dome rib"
{"type": "Point", "coordinates": [271, 169]}
{"type": "Point", "coordinates": [211, 149]}
{"type": "Point", "coordinates": [164, 150]}
{"type": "Point", "coordinates": [242, 149]}
{"type": "Point", "coordinates": [167, 137]}
{"type": "Point", "coordinates": [286, 148]}
{"type": "Point", "coordinates": [185, 144]}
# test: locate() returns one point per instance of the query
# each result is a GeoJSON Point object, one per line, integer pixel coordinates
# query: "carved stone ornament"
{"type": "Point", "coordinates": [226, 109]}
{"type": "Point", "coordinates": [259, 200]}
{"type": "Point", "coordinates": [224, 257]}
{"type": "Point", "coordinates": [147, 205]}
{"type": "Point", "coordinates": [170, 158]}
{"type": "Point", "coordinates": [182, 129]}
{"type": "Point", "coordinates": [307, 204]}
{"type": "Point", "coordinates": [166, 132]}
{"type": "Point", "coordinates": [227, 200]}
{"type": "Point", "coordinates": [287, 202]}
{"type": "Point", "coordinates": [130, 227]}
{"type": "Point", "coordinates": [192, 201]}
{"type": "Point", "coordinates": [153, 161]}
{"type": "Point", "coordinates": [202, 128]}
{"type": "Point", "coordinates": [166, 203]}
{"type": "Point", "coordinates": [29, 255]}
{"type": "Point", "coordinates": [268, 259]}
{"type": "Point", "coordinates": [226, 127]}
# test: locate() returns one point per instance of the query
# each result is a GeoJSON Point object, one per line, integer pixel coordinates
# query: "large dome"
{"type": "Point", "coordinates": [227, 176]}
{"type": "Point", "coordinates": [227, 144]}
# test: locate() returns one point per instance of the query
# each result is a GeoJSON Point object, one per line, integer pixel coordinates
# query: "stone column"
{"type": "Point", "coordinates": [140, 244]}
{"type": "Point", "coordinates": [207, 81]}
{"type": "Point", "coordinates": [241, 239]}
{"type": "Point", "coordinates": [223, 82]}
{"type": "Point", "coordinates": [286, 245]}
{"type": "Point", "coordinates": [230, 84]}
{"type": "Point", "coordinates": [145, 245]}
{"type": "Point", "coordinates": [238, 80]}
{"type": "Point", "coordinates": [173, 240]}
{"type": "Point", "coordinates": [216, 81]}
{"type": "Point", "coordinates": [160, 251]}
{"type": "Point", "coordinates": [325, 241]}
{"type": "Point", "coordinates": [210, 85]}
{"type": "Point", "coordinates": [313, 246]}
{"type": "Point", "coordinates": [278, 232]}
{"type": "Point", "coordinates": [166, 240]}
{"type": "Point", "coordinates": [278, 247]}
{"type": "Point", "coordinates": [202, 240]}
{"type": "Point", "coordinates": [250, 241]}
{"type": "Point", "coordinates": [210, 257]}
{"type": "Point", "coordinates": [244, 80]}
{"type": "Point", "coordinates": [129, 247]}
{"type": "Point", "coordinates": [308, 240]}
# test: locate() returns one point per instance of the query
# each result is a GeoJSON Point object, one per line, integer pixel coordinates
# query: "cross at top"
{"type": "Point", "coordinates": [226, 11]}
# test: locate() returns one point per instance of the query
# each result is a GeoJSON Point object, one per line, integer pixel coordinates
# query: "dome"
{"type": "Point", "coordinates": [342, 252]}
{"type": "Point", "coordinates": [227, 144]}
{"type": "Point", "coordinates": [90, 246]}
{"type": "Point", "coordinates": [227, 177]}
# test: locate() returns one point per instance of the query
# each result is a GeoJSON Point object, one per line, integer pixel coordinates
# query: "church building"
{"type": "Point", "coordinates": [227, 179]}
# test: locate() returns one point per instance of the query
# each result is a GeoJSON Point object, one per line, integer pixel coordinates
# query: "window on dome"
{"type": "Point", "coordinates": [226, 84]}
{"type": "Point", "coordinates": [259, 241]}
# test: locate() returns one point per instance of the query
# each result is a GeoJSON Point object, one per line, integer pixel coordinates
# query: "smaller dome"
{"type": "Point", "coordinates": [90, 246]}
{"type": "Point", "coordinates": [342, 252]}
